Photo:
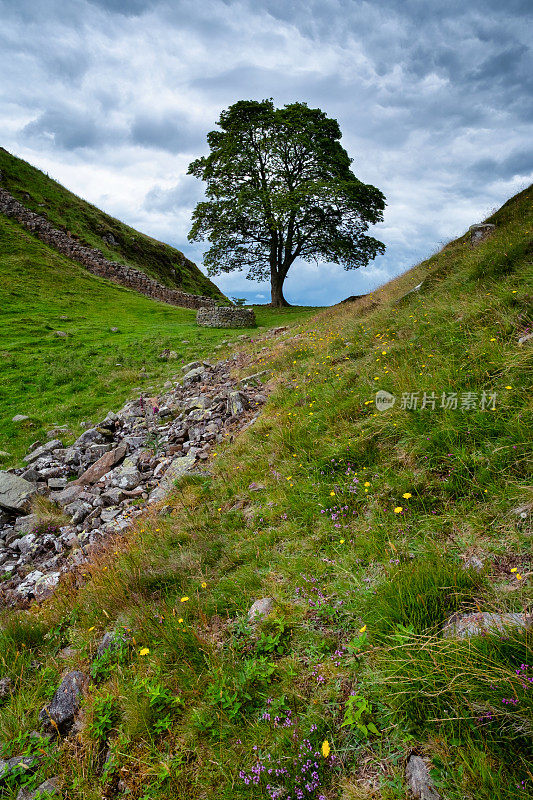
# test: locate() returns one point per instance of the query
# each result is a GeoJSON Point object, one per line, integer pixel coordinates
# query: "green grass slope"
{"type": "Point", "coordinates": [93, 370]}
{"type": "Point", "coordinates": [358, 523]}
{"type": "Point", "coordinates": [88, 225]}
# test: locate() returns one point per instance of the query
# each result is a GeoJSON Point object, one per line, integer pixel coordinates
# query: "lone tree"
{"type": "Point", "coordinates": [280, 187]}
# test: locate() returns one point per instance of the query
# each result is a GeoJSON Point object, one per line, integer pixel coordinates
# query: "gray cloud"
{"type": "Point", "coordinates": [114, 97]}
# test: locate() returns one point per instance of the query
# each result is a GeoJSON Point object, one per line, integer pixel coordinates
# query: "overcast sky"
{"type": "Point", "coordinates": [114, 98]}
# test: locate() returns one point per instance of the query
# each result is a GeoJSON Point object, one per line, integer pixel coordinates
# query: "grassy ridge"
{"type": "Point", "coordinates": [89, 224]}
{"type": "Point", "coordinates": [358, 523]}
{"type": "Point", "coordinates": [93, 370]}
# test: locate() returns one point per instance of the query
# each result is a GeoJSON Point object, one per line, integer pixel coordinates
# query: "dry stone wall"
{"type": "Point", "coordinates": [226, 317]}
{"type": "Point", "coordinates": [94, 261]}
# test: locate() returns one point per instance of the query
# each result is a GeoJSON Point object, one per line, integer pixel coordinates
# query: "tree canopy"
{"type": "Point", "coordinates": [280, 187]}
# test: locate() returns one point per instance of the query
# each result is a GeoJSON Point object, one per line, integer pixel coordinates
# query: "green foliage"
{"type": "Point", "coordinates": [420, 596]}
{"type": "Point", "coordinates": [357, 713]}
{"type": "Point", "coordinates": [105, 716]}
{"type": "Point", "coordinates": [280, 187]}
{"type": "Point", "coordinates": [237, 693]}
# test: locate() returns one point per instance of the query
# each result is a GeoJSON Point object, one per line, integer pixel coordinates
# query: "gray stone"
{"type": "Point", "coordinates": [15, 492]}
{"type": "Point", "coordinates": [54, 444]}
{"type": "Point", "coordinates": [45, 584]}
{"type": "Point", "coordinates": [236, 403]}
{"type": "Point", "coordinates": [27, 586]}
{"type": "Point", "coordinates": [5, 687]}
{"type": "Point", "coordinates": [112, 497]}
{"type": "Point", "coordinates": [47, 789]}
{"type": "Point", "coordinates": [463, 626]}
{"type": "Point", "coordinates": [191, 365]}
{"type": "Point", "coordinates": [60, 334]}
{"type": "Point", "coordinates": [68, 495]}
{"type": "Point", "coordinates": [193, 375]}
{"type": "Point", "coordinates": [57, 717]}
{"type": "Point", "coordinates": [16, 767]}
{"type": "Point", "coordinates": [110, 642]}
{"type": "Point", "coordinates": [19, 418]}
{"type": "Point", "coordinates": [26, 544]}
{"type": "Point", "coordinates": [127, 475]}
{"type": "Point", "coordinates": [480, 231]}
{"type": "Point", "coordinates": [176, 470]}
{"type": "Point", "coordinates": [419, 779]}
{"type": "Point", "coordinates": [56, 484]}
{"type": "Point", "coordinates": [261, 608]}
{"type": "Point", "coordinates": [527, 338]}
{"type": "Point", "coordinates": [78, 510]}
{"type": "Point", "coordinates": [104, 465]}
{"type": "Point", "coordinates": [26, 524]}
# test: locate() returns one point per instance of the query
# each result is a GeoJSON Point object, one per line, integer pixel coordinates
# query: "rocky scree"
{"type": "Point", "coordinates": [113, 471]}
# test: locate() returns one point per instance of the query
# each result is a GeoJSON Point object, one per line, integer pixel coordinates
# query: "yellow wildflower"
{"type": "Point", "coordinates": [203, 584]}
{"type": "Point", "coordinates": [398, 510]}
{"type": "Point", "coordinates": [407, 495]}
{"type": "Point", "coordinates": [144, 651]}
{"type": "Point", "coordinates": [184, 599]}
{"type": "Point", "coordinates": [326, 750]}
{"type": "Point", "coordinates": [363, 629]}
{"type": "Point", "coordinates": [332, 494]}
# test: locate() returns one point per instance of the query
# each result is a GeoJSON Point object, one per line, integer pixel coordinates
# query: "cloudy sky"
{"type": "Point", "coordinates": [114, 98]}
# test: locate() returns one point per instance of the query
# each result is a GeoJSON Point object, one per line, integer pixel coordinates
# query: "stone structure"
{"type": "Point", "coordinates": [226, 317]}
{"type": "Point", "coordinates": [480, 232]}
{"type": "Point", "coordinates": [94, 261]}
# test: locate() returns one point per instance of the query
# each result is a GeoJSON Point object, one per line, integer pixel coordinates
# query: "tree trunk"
{"type": "Point", "coordinates": [278, 301]}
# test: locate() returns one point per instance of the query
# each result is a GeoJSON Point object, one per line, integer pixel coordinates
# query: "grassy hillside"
{"type": "Point", "coordinates": [93, 370]}
{"type": "Point", "coordinates": [359, 524]}
{"type": "Point", "coordinates": [88, 224]}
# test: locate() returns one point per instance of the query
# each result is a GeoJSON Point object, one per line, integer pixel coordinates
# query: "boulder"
{"type": "Point", "coordinates": [127, 476]}
{"type": "Point", "coordinates": [54, 444]}
{"type": "Point", "coordinates": [47, 789]}
{"type": "Point", "coordinates": [176, 470]}
{"type": "Point", "coordinates": [419, 779]}
{"type": "Point", "coordinates": [480, 232]}
{"type": "Point", "coordinates": [68, 495]}
{"type": "Point", "coordinates": [15, 492]}
{"type": "Point", "coordinates": [58, 716]}
{"type": "Point", "coordinates": [463, 626]}
{"type": "Point", "coordinates": [16, 767]}
{"type": "Point", "coordinates": [261, 608]}
{"type": "Point", "coordinates": [104, 464]}
{"type": "Point", "coordinates": [193, 375]}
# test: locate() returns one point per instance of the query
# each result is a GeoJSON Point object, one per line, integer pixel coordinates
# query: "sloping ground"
{"type": "Point", "coordinates": [93, 228]}
{"type": "Point", "coordinates": [64, 380]}
{"type": "Point", "coordinates": [367, 528]}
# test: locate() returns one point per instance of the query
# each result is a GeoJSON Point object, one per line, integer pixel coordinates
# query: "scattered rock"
{"type": "Point", "coordinates": [15, 492]}
{"type": "Point", "coordinates": [5, 687]}
{"type": "Point", "coordinates": [527, 338]}
{"type": "Point", "coordinates": [176, 470]}
{"type": "Point", "coordinates": [60, 334]}
{"type": "Point", "coordinates": [463, 626]}
{"type": "Point", "coordinates": [419, 779]}
{"type": "Point", "coordinates": [480, 232]}
{"type": "Point", "coordinates": [47, 789]}
{"type": "Point", "coordinates": [58, 716]}
{"type": "Point", "coordinates": [54, 444]}
{"type": "Point", "coordinates": [261, 608]}
{"type": "Point", "coordinates": [19, 418]}
{"type": "Point", "coordinates": [103, 465]}
{"type": "Point", "coordinates": [16, 767]}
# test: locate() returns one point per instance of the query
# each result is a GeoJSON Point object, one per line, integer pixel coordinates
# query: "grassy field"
{"type": "Point", "coordinates": [89, 224]}
{"type": "Point", "coordinates": [358, 523]}
{"type": "Point", "coordinates": [58, 381]}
